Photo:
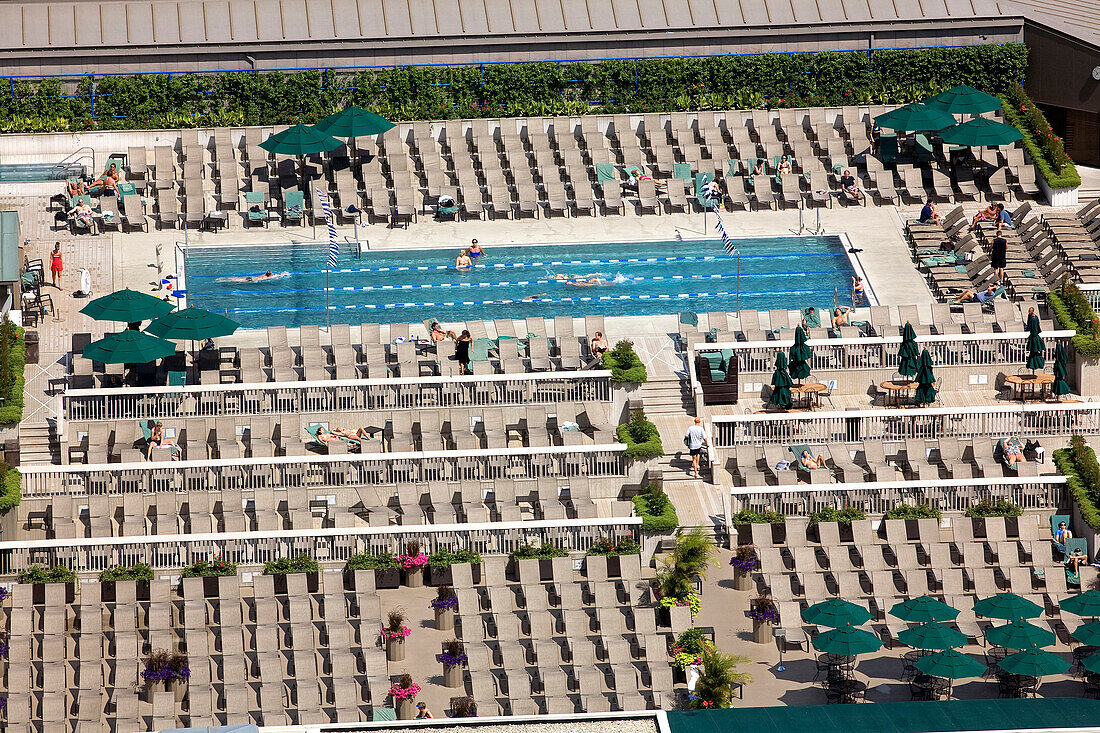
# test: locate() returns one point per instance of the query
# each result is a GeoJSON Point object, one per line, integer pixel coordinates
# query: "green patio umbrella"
{"type": "Point", "coordinates": [932, 635]}
{"type": "Point", "coordinates": [1092, 663]}
{"type": "Point", "coordinates": [128, 347]}
{"type": "Point", "coordinates": [964, 100]}
{"type": "Point", "coordinates": [836, 612]}
{"type": "Point", "coordinates": [1060, 386]}
{"type": "Point", "coordinates": [1082, 604]}
{"type": "Point", "coordinates": [1008, 606]}
{"type": "Point", "coordinates": [950, 664]}
{"type": "Point", "coordinates": [300, 140]}
{"type": "Point", "coordinates": [781, 383]}
{"type": "Point", "coordinates": [1034, 663]}
{"type": "Point", "coordinates": [847, 641]}
{"type": "Point", "coordinates": [1019, 635]}
{"type": "Point", "coordinates": [922, 609]}
{"type": "Point", "coordinates": [1087, 634]}
{"type": "Point", "coordinates": [981, 132]}
{"type": "Point", "coordinates": [915, 117]}
{"type": "Point", "coordinates": [127, 306]}
{"type": "Point", "coordinates": [1036, 349]}
{"type": "Point", "coordinates": [800, 354]}
{"type": "Point", "coordinates": [926, 380]}
{"type": "Point", "coordinates": [908, 352]}
{"type": "Point", "coordinates": [192, 324]}
{"type": "Point", "coordinates": [353, 122]}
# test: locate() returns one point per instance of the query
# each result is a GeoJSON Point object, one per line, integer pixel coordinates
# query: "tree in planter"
{"type": "Point", "coordinates": [642, 439]}
{"type": "Point", "coordinates": [715, 686]}
{"type": "Point", "coordinates": [693, 554]}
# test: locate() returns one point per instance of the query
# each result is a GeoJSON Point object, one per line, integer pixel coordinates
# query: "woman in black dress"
{"type": "Point", "coordinates": [462, 351]}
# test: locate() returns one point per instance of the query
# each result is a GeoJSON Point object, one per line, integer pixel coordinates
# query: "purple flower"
{"type": "Point", "coordinates": [748, 565]}
{"type": "Point", "coordinates": [451, 660]}
{"type": "Point", "coordinates": [4, 648]}
{"type": "Point", "coordinates": [444, 604]}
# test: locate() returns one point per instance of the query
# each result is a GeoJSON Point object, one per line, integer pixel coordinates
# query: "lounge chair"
{"type": "Point", "coordinates": [294, 207]}
{"type": "Point", "coordinates": [820, 475]}
{"type": "Point", "coordinates": [256, 207]}
{"type": "Point", "coordinates": [313, 429]}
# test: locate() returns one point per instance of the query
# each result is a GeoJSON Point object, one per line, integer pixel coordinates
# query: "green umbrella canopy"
{"type": "Point", "coordinates": [1019, 635]}
{"type": "Point", "coordinates": [800, 356]}
{"type": "Point", "coordinates": [964, 100]}
{"type": "Point", "coordinates": [847, 640]}
{"type": "Point", "coordinates": [1082, 604]}
{"type": "Point", "coordinates": [300, 140]}
{"type": "Point", "coordinates": [128, 347]}
{"type": "Point", "coordinates": [781, 383]}
{"type": "Point", "coordinates": [926, 392]}
{"type": "Point", "coordinates": [981, 132]}
{"type": "Point", "coordinates": [1061, 386]}
{"type": "Point", "coordinates": [192, 324]}
{"type": "Point", "coordinates": [353, 122]}
{"type": "Point", "coordinates": [932, 635]}
{"type": "Point", "coordinates": [1034, 663]}
{"type": "Point", "coordinates": [127, 306]}
{"type": "Point", "coordinates": [1092, 663]}
{"type": "Point", "coordinates": [922, 609]}
{"type": "Point", "coordinates": [1008, 606]}
{"type": "Point", "coordinates": [915, 116]}
{"type": "Point", "coordinates": [836, 612]}
{"type": "Point", "coordinates": [1036, 348]}
{"type": "Point", "coordinates": [908, 352]}
{"type": "Point", "coordinates": [1087, 634]}
{"type": "Point", "coordinates": [951, 664]}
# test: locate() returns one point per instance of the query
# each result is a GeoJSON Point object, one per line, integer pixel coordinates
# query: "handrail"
{"type": "Point", "coordinates": [878, 340]}
{"type": "Point", "coordinates": [1053, 479]}
{"type": "Point", "coordinates": [906, 412]}
{"type": "Point", "coordinates": [61, 163]}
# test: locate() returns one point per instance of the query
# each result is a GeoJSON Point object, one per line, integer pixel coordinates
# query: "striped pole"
{"type": "Point", "coordinates": [333, 249]}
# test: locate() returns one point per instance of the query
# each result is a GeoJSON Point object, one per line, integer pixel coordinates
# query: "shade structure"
{"type": "Point", "coordinates": [981, 132]}
{"type": "Point", "coordinates": [950, 664]}
{"type": "Point", "coordinates": [800, 354]}
{"type": "Point", "coordinates": [1060, 386]}
{"type": "Point", "coordinates": [128, 347]}
{"type": "Point", "coordinates": [915, 117]}
{"type": "Point", "coordinates": [923, 609]}
{"type": "Point", "coordinates": [1034, 663]}
{"type": "Point", "coordinates": [1019, 635]}
{"type": "Point", "coordinates": [932, 635]}
{"type": "Point", "coordinates": [926, 391]}
{"type": "Point", "coordinates": [781, 383]}
{"type": "Point", "coordinates": [353, 122]}
{"type": "Point", "coordinates": [1008, 606]}
{"type": "Point", "coordinates": [300, 140]}
{"type": "Point", "coordinates": [964, 100]}
{"type": "Point", "coordinates": [908, 352]}
{"type": "Point", "coordinates": [127, 306]}
{"type": "Point", "coordinates": [836, 612]}
{"type": "Point", "coordinates": [847, 641]}
{"type": "Point", "coordinates": [1083, 604]}
{"type": "Point", "coordinates": [1087, 634]}
{"type": "Point", "coordinates": [1036, 348]}
{"type": "Point", "coordinates": [1092, 663]}
{"type": "Point", "coordinates": [192, 324]}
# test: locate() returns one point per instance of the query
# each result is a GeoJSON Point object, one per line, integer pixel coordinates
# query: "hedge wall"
{"type": "Point", "coordinates": [11, 487]}
{"type": "Point", "coordinates": [495, 90]}
{"type": "Point", "coordinates": [1078, 464]}
{"type": "Point", "coordinates": [13, 359]}
{"type": "Point", "coordinates": [1040, 142]}
{"type": "Point", "coordinates": [1072, 311]}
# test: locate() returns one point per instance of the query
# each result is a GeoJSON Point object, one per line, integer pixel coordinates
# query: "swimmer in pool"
{"type": "Point", "coordinates": [531, 298]}
{"type": "Point", "coordinates": [475, 249]}
{"type": "Point", "coordinates": [463, 261]}
{"type": "Point", "coordinates": [269, 275]}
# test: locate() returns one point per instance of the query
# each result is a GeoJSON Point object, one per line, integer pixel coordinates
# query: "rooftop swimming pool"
{"type": "Point", "coordinates": [612, 279]}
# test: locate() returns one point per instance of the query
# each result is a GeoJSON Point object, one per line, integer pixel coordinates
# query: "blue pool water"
{"type": "Point", "coordinates": [635, 278]}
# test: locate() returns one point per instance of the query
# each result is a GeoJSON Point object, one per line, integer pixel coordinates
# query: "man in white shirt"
{"type": "Point", "coordinates": [695, 439]}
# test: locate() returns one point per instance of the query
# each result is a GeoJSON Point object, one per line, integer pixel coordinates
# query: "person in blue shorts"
{"type": "Point", "coordinates": [982, 296]}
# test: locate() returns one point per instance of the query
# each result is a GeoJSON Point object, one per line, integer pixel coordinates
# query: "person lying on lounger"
{"type": "Point", "coordinates": [106, 182]}
{"type": "Point", "coordinates": [982, 296]}
{"type": "Point", "coordinates": [1076, 559]}
{"type": "Point", "coordinates": [1014, 453]}
{"type": "Point", "coordinates": [840, 316]}
{"type": "Point", "coordinates": [989, 213]}
{"type": "Point", "coordinates": [808, 460]}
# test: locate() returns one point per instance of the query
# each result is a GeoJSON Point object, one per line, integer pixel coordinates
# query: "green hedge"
{"type": "Point", "coordinates": [1072, 311]}
{"type": "Point", "coordinates": [913, 511]}
{"type": "Point", "coordinates": [11, 487]}
{"type": "Point", "coordinates": [643, 440]}
{"type": "Point", "coordinates": [751, 516]}
{"type": "Point", "coordinates": [847, 515]}
{"type": "Point", "coordinates": [137, 571]}
{"type": "Point", "coordinates": [657, 511]}
{"type": "Point", "coordinates": [13, 359]}
{"type": "Point", "coordinates": [164, 101]}
{"type": "Point", "coordinates": [624, 363]}
{"type": "Point", "coordinates": [286, 565]}
{"type": "Point", "coordinates": [1042, 145]}
{"type": "Point", "coordinates": [999, 508]}
{"type": "Point", "coordinates": [1078, 464]}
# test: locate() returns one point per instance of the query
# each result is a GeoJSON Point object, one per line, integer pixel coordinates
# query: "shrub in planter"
{"type": "Point", "coordinates": [163, 665]}
{"type": "Point", "coordinates": [394, 633]}
{"type": "Point", "coordinates": [913, 511]}
{"type": "Point", "coordinates": [404, 693]}
{"type": "Point", "coordinates": [751, 516]}
{"type": "Point", "coordinates": [210, 569]}
{"type": "Point", "coordinates": [413, 562]}
{"type": "Point", "coordinates": [608, 547]}
{"type": "Point", "coordinates": [36, 574]}
{"type": "Point", "coordinates": [744, 561]}
{"type": "Point", "coordinates": [284, 566]}
{"type": "Point", "coordinates": [386, 567]}
{"type": "Point", "coordinates": [847, 515]}
{"type": "Point", "coordinates": [543, 552]}
{"type": "Point", "coordinates": [137, 571]}
{"type": "Point", "coordinates": [463, 707]}
{"type": "Point", "coordinates": [11, 487]}
{"type": "Point", "coordinates": [1043, 147]}
{"type": "Point", "coordinates": [1078, 464]}
{"type": "Point", "coordinates": [440, 562]}
{"type": "Point", "coordinates": [13, 357]}
{"type": "Point", "coordinates": [445, 599]}
{"type": "Point", "coordinates": [642, 439]}
{"type": "Point", "coordinates": [656, 510]}
{"type": "Point", "coordinates": [452, 658]}
{"type": "Point", "coordinates": [689, 647]}
{"type": "Point", "coordinates": [1072, 311]}
{"type": "Point", "coordinates": [999, 508]}
{"type": "Point", "coordinates": [694, 553]}
{"type": "Point", "coordinates": [625, 365]}
{"type": "Point", "coordinates": [690, 599]}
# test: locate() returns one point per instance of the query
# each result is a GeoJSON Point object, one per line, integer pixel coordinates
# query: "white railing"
{"type": "Point", "coordinates": [949, 495]}
{"type": "Point", "coordinates": [280, 398]}
{"type": "Point", "coordinates": [930, 423]}
{"type": "Point", "coordinates": [323, 471]}
{"type": "Point", "coordinates": [324, 545]}
{"type": "Point", "coordinates": [1092, 292]}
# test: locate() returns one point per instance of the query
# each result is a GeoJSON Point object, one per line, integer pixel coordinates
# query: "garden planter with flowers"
{"type": "Point", "coordinates": [452, 658]}
{"type": "Point", "coordinates": [167, 668]}
{"type": "Point", "coordinates": [394, 634]}
{"type": "Point", "coordinates": [764, 616]}
{"type": "Point", "coordinates": [687, 653]}
{"type": "Point", "coordinates": [404, 693]}
{"type": "Point", "coordinates": [413, 563]}
{"type": "Point", "coordinates": [444, 604]}
{"type": "Point", "coordinates": [744, 562]}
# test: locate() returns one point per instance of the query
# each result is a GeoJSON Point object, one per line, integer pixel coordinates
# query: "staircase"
{"type": "Point", "coordinates": [669, 404]}
{"type": "Point", "coordinates": [38, 444]}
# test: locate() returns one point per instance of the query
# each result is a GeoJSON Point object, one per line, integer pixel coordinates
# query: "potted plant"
{"type": "Point", "coordinates": [452, 658]}
{"type": "Point", "coordinates": [744, 562]}
{"type": "Point", "coordinates": [444, 605]}
{"type": "Point", "coordinates": [439, 566]}
{"type": "Point", "coordinates": [764, 615]}
{"type": "Point", "coordinates": [386, 567]}
{"type": "Point", "coordinates": [413, 562]}
{"type": "Point", "coordinates": [404, 693]}
{"type": "Point", "coordinates": [463, 707]}
{"type": "Point", "coordinates": [39, 576]}
{"type": "Point", "coordinates": [168, 667]}
{"type": "Point", "coordinates": [687, 654]}
{"type": "Point", "coordinates": [210, 571]}
{"type": "Point", "coordinates": [283, 566]}
{"type": "Point", "coordinates": [394, 634]}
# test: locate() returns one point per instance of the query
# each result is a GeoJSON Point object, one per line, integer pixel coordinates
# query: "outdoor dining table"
{"type": "Point", "coordinates": [837, 663]}
{"type": "Point", "coordinates": [1028, 384]}
{"type": "Point", "coordinates": [810, 391]}
{"type": "Point", "coordinates": [845, 689]}
{"type": "Point", "coordinates": [1017, 685]}
{"type": "Point", "coordinates": [898, 390]}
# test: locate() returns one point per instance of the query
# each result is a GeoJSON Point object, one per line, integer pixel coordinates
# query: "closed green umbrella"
{"type": "Point", "coordinates": [847, 641]}
{"type": "Point", "coordinates": [915, 117]}
{"type": "Point", "coordinates": [932, 635]}
{"type": "Point", "coordinates": [1034, 663]}
{"type": "Point", "coordinates": [192, 324]}
{"type": "Point", "coordinates": [127, 306]}
{"type": "Point", "coordinates": [1008, 606]}
{"type": "Point", "coordinates": [964, 100]}
{"type": "Point", "coordinates": [1036, 348]}
{"type": "Point", "coordinates": [926, 380]}
{"type": "Point", "coordinates": [300, 140]}
{"type": "Point", "coordinates": [981, 133]}
{"type": "Point", "coordinates": [908, 352]}
{"type": "Point", "coordinates": [836, 612]}
{"type": "Point", "coordinates": [352, 122]}
{"type": "Point", "coordinates": [922, 609]}
{"type": "Point", "coordinates": [1082, 604]}
{"type": "Point", "coordinates": [1019, 635]}
{"type": "Point", "coordinates": [800, 356]}
{"type": "Point", "coordinates": [1087, 634]}
{"type": "Point", "coordinates": [1092, 663]}
{"type": "Point", "coordinates": [781, 383]}
{"type": "Point", "coordinates": [950, 664]}
{"type": "Point", "coordinates": [128, 347]}
{"type": "Point", "coordinates": [1060, 386]}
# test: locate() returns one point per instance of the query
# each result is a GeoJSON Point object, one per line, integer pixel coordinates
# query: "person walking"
{"type": "Point", "coordinates": [55, 265]}
{"type": "Point", "coordinates": [695, 439]}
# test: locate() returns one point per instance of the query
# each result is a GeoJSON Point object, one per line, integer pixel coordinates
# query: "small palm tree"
{"type": "Point", "coordinates": [694, 553]}
{"type": "Point", "coordinates": [715, 686]}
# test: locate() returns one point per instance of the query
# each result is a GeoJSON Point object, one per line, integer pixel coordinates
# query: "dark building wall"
{"type": "Point", "coordinates": [1060, 76]}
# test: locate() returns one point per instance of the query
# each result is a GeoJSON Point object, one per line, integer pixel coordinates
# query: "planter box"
{"type": "Point", "coordinates": [406, 709]}
{"type": "Point", "coordinates": [395, 650]}
{"type": "Point", "coordinates": [1061, 197]}
{"type": "Point", "coordinates": [1086, 374]}
{"type": "Point", "coordinates": [761, 632]}
{"type": "Point", "coordinates": [387, 578]}
{"type": "Point", "coordinates": [742, 580]}
{"type": "Point", "coordinates": [444, 619]}
{"type": "Point", "coordinates": [414, 577]}
{"type": "Point", "coordinates": [452, 675]}
{"type": "Point", "coordinates": [440, 577]}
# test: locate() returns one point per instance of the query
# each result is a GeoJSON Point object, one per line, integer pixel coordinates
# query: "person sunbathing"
{"type": "Point", "coordinates": [1013, 452]}
{"type": "Point", "coordinates": [987, 214]}
{"type": "Point", "coordinates": [108, 181]}
{"type": "Point", "coordinates": [840, 316]}
{"type": "Point", "coordinates": [356, 434]}
{"type": "Point", "coordinates": [784, 166]}
{"type": "Point", "coordinates": [850, 186]}
{"type": "Point", "coordinates": [75, 187]}
{"type": "Point", "coordinates": [982, 296]}
{"type": "Point", "coordinates": [808, 460]}
{"type": "Point", "coordinates": [1076, 559]}
{"type": "Point", "coordinates": [437, 333]}
{"type": "Point", "coordinates": [82, 215]}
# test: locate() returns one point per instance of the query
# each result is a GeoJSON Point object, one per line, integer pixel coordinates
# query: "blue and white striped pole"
{"type": "Point", "coordinates": [333, 248]}
{"type": "Point", "coordinates": [731, 249]}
